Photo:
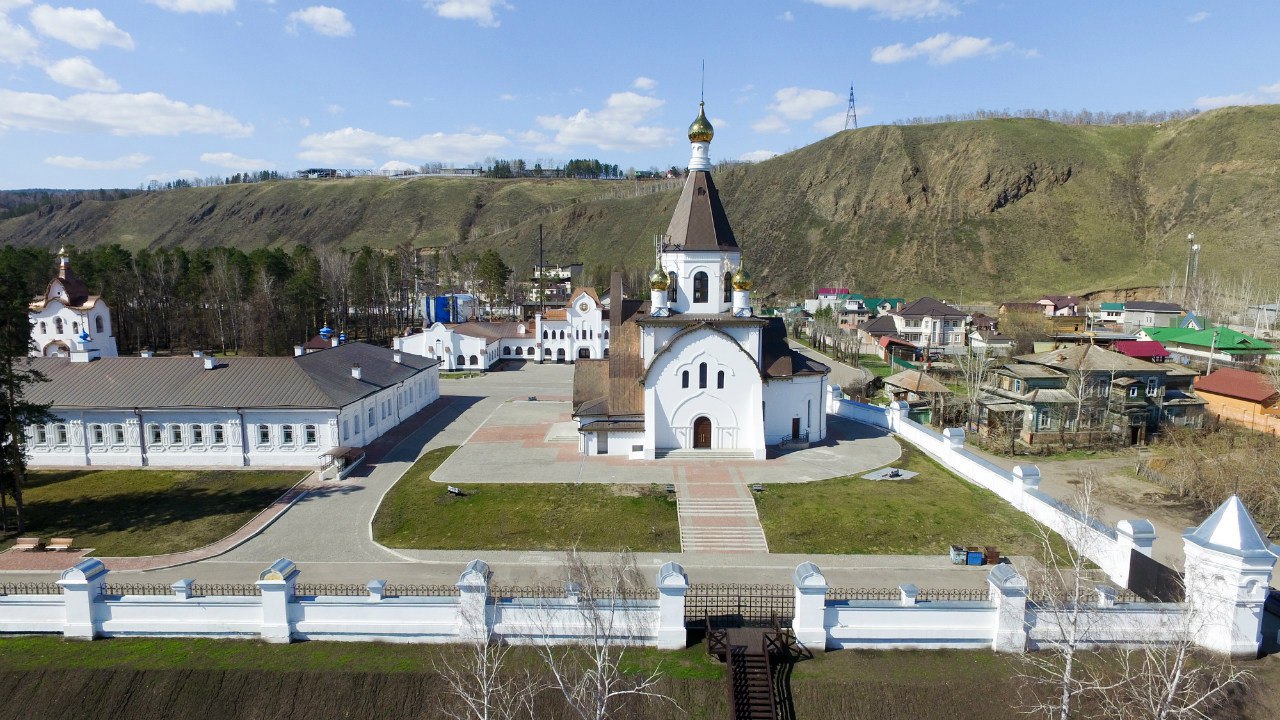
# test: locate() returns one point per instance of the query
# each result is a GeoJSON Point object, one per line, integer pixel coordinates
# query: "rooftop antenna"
{"type": "Point", "coordinates": [851, 116]}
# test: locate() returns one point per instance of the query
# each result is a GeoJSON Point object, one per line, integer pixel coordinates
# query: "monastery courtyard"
{"type": "Point", "coordinates": [503, 437]}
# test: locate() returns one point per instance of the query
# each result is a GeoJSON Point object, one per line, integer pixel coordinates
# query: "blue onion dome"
{"type": "Point", "coordinates": [326, 332]}
{"type": "Point", "coordinates": [659, 280]}
{"type": "Point", "coordinates": [700, 130]}
{"type": "Point", "coordinates": [742, 279]}
{"type": "Point", "coordinates": [342, 337]}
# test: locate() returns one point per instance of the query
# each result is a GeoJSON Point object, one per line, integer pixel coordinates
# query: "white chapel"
{"type": "Point", "coordinates": [694, 370]}
{"type": "Point", "coordinates": [66, 319]}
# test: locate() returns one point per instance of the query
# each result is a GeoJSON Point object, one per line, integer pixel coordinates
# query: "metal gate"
{"type": "Point", "coordinates": [733, 605]}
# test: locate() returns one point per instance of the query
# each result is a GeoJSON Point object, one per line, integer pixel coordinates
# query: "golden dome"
{"type": "Point", "coordinates": [700, 130]}
{"type": "Point", "coordinates": [742, 279]}
{"type": "Point", "coordinates": [659, 280]}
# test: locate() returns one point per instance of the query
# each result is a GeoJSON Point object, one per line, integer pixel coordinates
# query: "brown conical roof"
{"type": "Point", "coordinates": [699, 222]}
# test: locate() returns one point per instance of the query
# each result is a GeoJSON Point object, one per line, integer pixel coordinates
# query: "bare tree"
{"type": "Point", "coordinates": [588, 670]}
{"type": "Point", "coordinates": [477, 676]}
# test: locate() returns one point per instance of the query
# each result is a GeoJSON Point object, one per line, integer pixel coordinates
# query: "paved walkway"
{"type": "Point", "coordinates": [717, 513]}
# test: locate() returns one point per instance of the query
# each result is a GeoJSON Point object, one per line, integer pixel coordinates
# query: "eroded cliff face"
{"type": "Point", "coordinates": [985, 210]}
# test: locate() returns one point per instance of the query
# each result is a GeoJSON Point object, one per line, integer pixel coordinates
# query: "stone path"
{"type": "Point", "coordinates": [716, 511]}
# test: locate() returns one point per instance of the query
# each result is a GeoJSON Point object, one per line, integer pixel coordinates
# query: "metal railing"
{"type": "Point", "coordinates": [223, 590]}
{"type": "Point", "coordinates": [30, 588]}
{"type": "Point", "coordinates": [330, 590]}
{"type": "Point", "coordinates": [419, 591]}
{"type": "Point", "coordinates": [122, 589]}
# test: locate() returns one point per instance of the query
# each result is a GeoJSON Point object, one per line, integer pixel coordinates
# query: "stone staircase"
{"type": "Point", "coordinates": [687, 454]}
{"type": "Point", "coordinates": [720, 525]}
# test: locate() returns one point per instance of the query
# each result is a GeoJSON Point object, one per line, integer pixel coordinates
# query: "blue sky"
{"type": "Point", "coordinates": [116, 93]}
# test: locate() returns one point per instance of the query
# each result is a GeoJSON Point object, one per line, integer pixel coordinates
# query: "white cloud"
{"type": "Point", "coordinates": [616, 126]}
{"type": "Point", "coordinates": [1202, 15]}
{"type": "Point", "coordinates": [757, 155]}
{"type": "Point", "coordinates": [195, 6]}
{"type": "Point", "coordinates": [125, 162]}
{"type": "Point", "coordinates": [80, 72]}
{"type": "Point", "coordinates": [940, 49]}
{"type": "Point", "coordinates": [1265, 94]}
{"type": "Point", "coordinates": [507, 97]}
{"type": "Point", "coordinates": [17, 45]}
{"type": "Point", "coordinates": [770, 124]}
{"type": "Point", "coordinates": [356, 147]}
{"type": "Point", "coordinates": [482, 11]}
{"type": "Point", "coordinates": [231, 161]}
{"type": "Point", "coordinates": [122, 114]}
{"type": "Point", "coordinates": [795, 103]}
{"type": "Point", "coordinates": [397, 102]}
{"type": "Point", "coordinates": [785, 17]}
{"type": "Point", "coordinates": [644, 83]}
{"type": "Point", "coordinates": [334, 109]}
{"type": "Point", "coordinates": [831, 123]}
{"type": "Point", "coordinates": [323, 19]}
{"type": "Point", "coordinates": [896, 9]}
{"type": "Point", "coordinates": [85, 29]}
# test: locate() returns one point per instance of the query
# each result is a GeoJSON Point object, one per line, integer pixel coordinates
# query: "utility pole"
{"type": "Point", "coordinates": [542, 297]}
{"type": "Point", "coordinates": [851, 115]}
{"type": "Point", "coordinates": [1186, 274]}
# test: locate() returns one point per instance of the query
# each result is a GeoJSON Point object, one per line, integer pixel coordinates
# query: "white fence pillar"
{"type": "Point", "coordinates": [473, 622]}
{"type": "Point", "coordinates": [954, 438]}
{"type": "Point", "coordinates": [1131, 535]}
{"type": "Point", "coordinates": [1025, 479]}
{"type": "Point", "coordinates": [1008, 592]}
{"type": "Point", "coordinates": [673, 583]}
{"type": "Point", "coordinates": [81, 585]}
{"type": "Point", "coordinates": [276, 585]}
{"type": "Point", "coordinates": [898, 411]}
{"type": "Point", "coordinates": [810, 622]}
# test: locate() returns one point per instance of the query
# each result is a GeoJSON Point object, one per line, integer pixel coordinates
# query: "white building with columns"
{"type": "Point", "coordinates": [694, 369]}
{"type": "Point", "coordinates": [66, 319]}
{"type": "Point", "coordinates": [201, 411]}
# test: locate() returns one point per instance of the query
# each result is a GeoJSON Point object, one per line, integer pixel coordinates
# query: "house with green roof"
{"type": "Point", "coordinates": [1111, 313]}
{"type": "Point", "coordinates": [1218, 344]}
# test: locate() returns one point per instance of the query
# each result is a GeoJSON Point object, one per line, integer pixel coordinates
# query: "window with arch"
{"type": "Point", "coordinates": [700, 287]}
{"type": "Point", "coordinates": [309, 434]}
{"type": "Point", "coordinates": [75, 327]}
{"type": "Point", "coordinates": [286, 434]}
{"type": "Point", "coordinates": [606, 333]}
{"type": "Point", "coordinates": [97, 324]}
{"type": "Point", "coordinates": [153, 431]}
{"type": "Point", "coordinates": [461, 361]}
{"type": "Point", "coordinates": [264, 434]}
{"type": "Point", "coordinates": [197, 434]}
{"type": "Point", "coordinates": [117, 434]}
{"type": "Point", "coordinates": [561, 334]}
{"type": "Point", "coordinates": [475, 360]}
{"type": "Point", "coordinates": [44, 329]}
{"type": "Point", "coordinates": [519, 350]}
{"type": "Point", "coordinates": [702, 375]}
{"type": "Point", "coordinates": [60, 433]}
{"type": "Point", "coordinates": [506, 349]}
{"type": "Point", "coordinates": [684, 379]}
{"type": "Point", "coordinates": [219, 435]}
{"type": "Point", "coordinates": [41, 434]}
{"type": "Point", "coordinates": [99, 434]}
{"type": "Point", "coordinates": [57, 326]}
{"type": "Point", "coordinates": [720, 380]}
{"type": "Point", "coordinates": [671, 286]}
{"type": "Point", "coordinates": [544, 335]}
{"type": "Point", "coordinates": [175, 434]}
{"type": "Point", "coordinates": [728, 287]}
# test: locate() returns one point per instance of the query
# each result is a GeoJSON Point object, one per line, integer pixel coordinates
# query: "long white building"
{"type": "Point", "coordinates": [200, 411]}
{"type": "Point", "coordinates": [695, 369]}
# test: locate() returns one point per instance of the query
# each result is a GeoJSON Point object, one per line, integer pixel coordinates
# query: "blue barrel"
{"type": "Point", "coordinates": [974, 557]}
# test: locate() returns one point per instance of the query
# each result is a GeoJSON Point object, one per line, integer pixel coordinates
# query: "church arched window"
{"type": "Point", "coordinates": [606, 333]}
{"type": "Point", "coordinates": [97, 324]}
{"type": "Point", "coordinates": [684, 379]}
{"type": "Point", "coordinates": [44, 330]}
{"type": "Point", "coordinates": [475, 360]}
{"type": "Point", "coordinates": [57, 326]}
{"type": "Point", "coordinates": [699, 287]}
{"type": "Point", "coordinates": [544, 335]}
{"type": "Point", "coordinates": [671, 286]}
{"type": "Point", "coordinates": [702, 375]}
{"type": "Point", "coordinates": [75, 328]}
{"type": "Point", "coordinates": [461, 361]}
{"type": "Point", "coordinates": [720, 380]}
{"type": "Point", "coordinates": [728, 287]}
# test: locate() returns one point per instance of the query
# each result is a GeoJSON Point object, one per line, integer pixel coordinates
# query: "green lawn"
{"type": "Point", "coordinates": [147, 512]}
{"type": "Point", "coordinates": [921, 516]}
{"type": "Point", "coordinates": [418, 513]}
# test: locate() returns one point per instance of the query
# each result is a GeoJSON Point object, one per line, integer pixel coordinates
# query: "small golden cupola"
{"type": "Point", "coordinates": [700, 129]}
{"type": "Point", "coordinates": [659, 280]}
{"type": "Point", "coordinates": [742, 279]}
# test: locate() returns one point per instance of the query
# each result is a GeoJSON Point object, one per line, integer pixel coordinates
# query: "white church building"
{"type": "Point", "coordinates": [66, 319]}
{"type": "Point", "coordinates": [200, 411]}
{"type": "Point", "coordinates": [694, 369]}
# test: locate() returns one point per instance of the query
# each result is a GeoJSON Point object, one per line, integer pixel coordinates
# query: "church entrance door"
{"type": "Point", "coordinates": [795, 428]}
{"type": "Point", "coordinates": [702, 433]}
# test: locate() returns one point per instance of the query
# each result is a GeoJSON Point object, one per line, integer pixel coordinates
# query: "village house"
{"type": "Point", "coordinates": [1213, 345]}
{"type": "Point", "coordinates": [1083, 394]}
{"type": "Point", "coordinates": [929, 324]}
{"type": "Point", "coordinates": [1243, 398]}
{"type": "Point", "coordinates": [1145, 314]}
{"type": "Point", "coordinates": [1110, 313]}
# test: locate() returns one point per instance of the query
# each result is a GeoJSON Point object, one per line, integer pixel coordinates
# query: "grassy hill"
{"type": "Point", "coordinates": [972, 210]}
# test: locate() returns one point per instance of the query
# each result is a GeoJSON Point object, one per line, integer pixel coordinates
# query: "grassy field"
{"type": "Point", "coordinates": [147, 512]}
{"type": "Point", "coordinates": [418, 513]}
{"type": "Point", "coordinates": [920, 516]}
{"type": "Point", "coordinates": [142, 678]}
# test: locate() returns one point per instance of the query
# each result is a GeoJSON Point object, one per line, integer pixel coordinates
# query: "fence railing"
{"type": "Point", "coordinates": [224, 590]}
{"type": "Point", "coordinates": [419, 591]}
{"type": "Point", "coordinates": [847, 594]}
{"type": "Point", "coordinates": [923, 595]}
{"type": "Point", "coordinates": [122, 589]}
{"type": "Point", "coordinates": [30, 588]}
{"type": "Point", "coordinates": [330, 590]}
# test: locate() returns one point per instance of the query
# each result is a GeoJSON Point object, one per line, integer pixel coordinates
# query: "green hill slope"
{"type": "Point", "coordinates": [973, 210]}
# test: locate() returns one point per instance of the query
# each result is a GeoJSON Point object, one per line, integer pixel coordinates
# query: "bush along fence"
{"type": "Point", "coordinates": [1222, 610]}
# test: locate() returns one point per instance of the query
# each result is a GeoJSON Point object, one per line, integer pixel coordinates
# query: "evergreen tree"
{"type": "Point", "coordinates": [17, 413]}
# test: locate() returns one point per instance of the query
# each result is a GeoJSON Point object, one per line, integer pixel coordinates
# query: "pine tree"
{"type": "Point", "coordinates": [17, 413]}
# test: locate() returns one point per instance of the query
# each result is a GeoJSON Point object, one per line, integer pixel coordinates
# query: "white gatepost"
{"type": "Point", "coordinates": [898, 412]}
{"type": "Point", "coordinates": [1131, 536]}
{"type": "Point", "coordinates": [473, 601]}
{"type": "Point", "coordinates": [673, 583]}
{"type": "Point", "coordinates": [954, 438]}
{"type": "Point", "coordinates": [81, 585]}
{"type": "Point", "coordinates": [1026, 478]}
{"type": "Point", "coordinates": [276, 585]}
{"type": "Point", "coordinates": [1008, 593]}
{"type": "Point", "coordinates": [810, 622]}
{"type": "Point", "coordinates": [1229, 563]}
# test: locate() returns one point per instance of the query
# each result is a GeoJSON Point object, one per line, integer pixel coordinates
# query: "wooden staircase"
{"type": "Point", "coordinates": [751, 656]}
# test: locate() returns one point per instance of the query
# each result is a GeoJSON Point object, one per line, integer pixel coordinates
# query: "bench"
{"type": "Point", "coordinates": [28, 543]}
{"type": "Point", "coordinates": [59, 544]}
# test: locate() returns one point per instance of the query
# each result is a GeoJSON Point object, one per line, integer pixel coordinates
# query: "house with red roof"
{"type": "Point", "coordinates": [1148, 350]}
{"type": "Point", "coordinates": [1241, 397]}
